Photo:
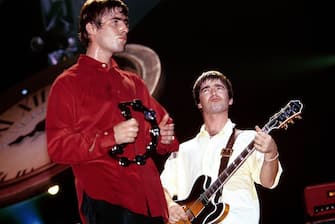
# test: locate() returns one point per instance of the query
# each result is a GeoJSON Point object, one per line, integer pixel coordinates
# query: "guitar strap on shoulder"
{"type": "Point", "coordinates": [228, 150]}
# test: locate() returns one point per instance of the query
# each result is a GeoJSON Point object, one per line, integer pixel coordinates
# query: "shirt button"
{"type": "Point", "coordinates": [106, 133]}
{"type": "Point", "coordinates": [104, 65]}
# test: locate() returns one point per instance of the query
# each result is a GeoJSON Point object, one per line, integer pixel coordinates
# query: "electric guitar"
{"type": "Point", "coordinates": [206, 208]}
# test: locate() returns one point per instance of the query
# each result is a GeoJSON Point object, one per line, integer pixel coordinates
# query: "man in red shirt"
{"type": "Point", "coordinates": [109, 151]}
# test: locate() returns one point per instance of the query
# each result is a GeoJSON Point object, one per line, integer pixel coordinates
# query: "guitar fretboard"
{"type": "Point", "coordinates": [228, 172]}
{"type": "Point", "coordinates": [231, 169]}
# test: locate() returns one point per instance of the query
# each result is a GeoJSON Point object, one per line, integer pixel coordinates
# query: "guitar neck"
{"type": "Point", "coordinates": [231, 169]}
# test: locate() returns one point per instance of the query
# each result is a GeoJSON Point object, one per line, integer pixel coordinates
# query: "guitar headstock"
{"type": "Point", "coordinates": [285, 116]}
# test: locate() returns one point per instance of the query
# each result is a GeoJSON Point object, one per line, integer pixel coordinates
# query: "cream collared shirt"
{"type": "Point", "coordinates": [201, 156]}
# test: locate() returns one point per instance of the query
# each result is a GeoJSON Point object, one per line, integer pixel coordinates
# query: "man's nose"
{"type": "Point", "coordinates": [213, 91]}
{"type": "Point", "coordinates": [124, 28]}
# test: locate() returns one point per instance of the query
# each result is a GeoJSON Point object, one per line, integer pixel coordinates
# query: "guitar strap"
{"type": "Point", "coordinates": [228, 150]}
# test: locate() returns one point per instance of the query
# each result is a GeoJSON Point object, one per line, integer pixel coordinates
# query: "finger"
{"type": "Point", "coordinates": [164, 120]}
{"type": "Point", "coordinates": [132, 121]}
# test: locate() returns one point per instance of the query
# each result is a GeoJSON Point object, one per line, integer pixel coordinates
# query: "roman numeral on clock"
{"type": "Point", "coordinates": [2, 176]}
{"type": "Point", "coordinates": [37, 99]}
{"type": "Point", "coordinates": [5, 123]}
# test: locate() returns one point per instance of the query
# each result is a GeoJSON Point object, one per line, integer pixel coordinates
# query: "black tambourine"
{"type": "Point", "coordinates": [150, 116]}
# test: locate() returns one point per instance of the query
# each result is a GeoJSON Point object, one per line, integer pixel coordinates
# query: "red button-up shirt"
{"type": "Point", "coordinates": [82, 110]}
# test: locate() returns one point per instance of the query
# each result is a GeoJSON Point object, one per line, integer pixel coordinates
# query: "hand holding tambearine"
{"type": "Point", "coordinates": [126, 131]}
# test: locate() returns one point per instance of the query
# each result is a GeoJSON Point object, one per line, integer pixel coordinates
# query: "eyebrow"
{"type": "Point", "coordinates": [215, 85]}
{"type": "Point", "coordinates": [112, 17]}
{"type": "Point", "coordinates": [204, 87]}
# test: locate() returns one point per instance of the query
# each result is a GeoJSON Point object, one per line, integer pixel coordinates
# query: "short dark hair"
{"type": "Point", "coordinates": [92, 11]}
{"type": "Point", "coordinates": [211, 75]}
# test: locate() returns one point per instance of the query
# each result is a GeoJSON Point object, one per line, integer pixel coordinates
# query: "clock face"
{"type": "Point", "coordinates": [24, 162]}
{"type": "Point", "coordinates": [22, 137]}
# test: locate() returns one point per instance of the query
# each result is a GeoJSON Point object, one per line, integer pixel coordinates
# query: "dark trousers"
{"type": "Point", "coordinates": [101, 212]}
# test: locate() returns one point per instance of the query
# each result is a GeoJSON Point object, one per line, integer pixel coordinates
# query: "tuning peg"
{"type": "Point", "coordinates": [298, 117]}
{"type": "Point", "coordinates": [285, 126]}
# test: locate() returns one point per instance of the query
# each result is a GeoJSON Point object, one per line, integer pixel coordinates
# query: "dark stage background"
{"type": "Point", "coordinates": [272, 51]}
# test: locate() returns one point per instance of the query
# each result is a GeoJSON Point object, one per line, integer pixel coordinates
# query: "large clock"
{"type": "Point", "coordinates": [25, 167]}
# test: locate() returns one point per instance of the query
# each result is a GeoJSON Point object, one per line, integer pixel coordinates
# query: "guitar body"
{"type": "Point", "coordinates": [199, 211]}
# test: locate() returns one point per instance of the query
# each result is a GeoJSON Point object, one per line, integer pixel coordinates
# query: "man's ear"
{"type": "Point", "coordinates": [90, 28]}
{"type": "Point", "coordinates": [199, 106]}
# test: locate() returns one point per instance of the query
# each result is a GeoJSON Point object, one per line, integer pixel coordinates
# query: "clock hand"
{"type": "Point", "coordinates": [40, 126]}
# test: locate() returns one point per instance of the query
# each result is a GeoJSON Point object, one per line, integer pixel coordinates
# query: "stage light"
{"type": "Point", "coordinates": [53, 190]}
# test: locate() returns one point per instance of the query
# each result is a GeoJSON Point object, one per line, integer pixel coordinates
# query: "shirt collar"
{"type": "Point", "coordinates": [203, 133]}
{"type": "Point", "coordinates": [93, 63]}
